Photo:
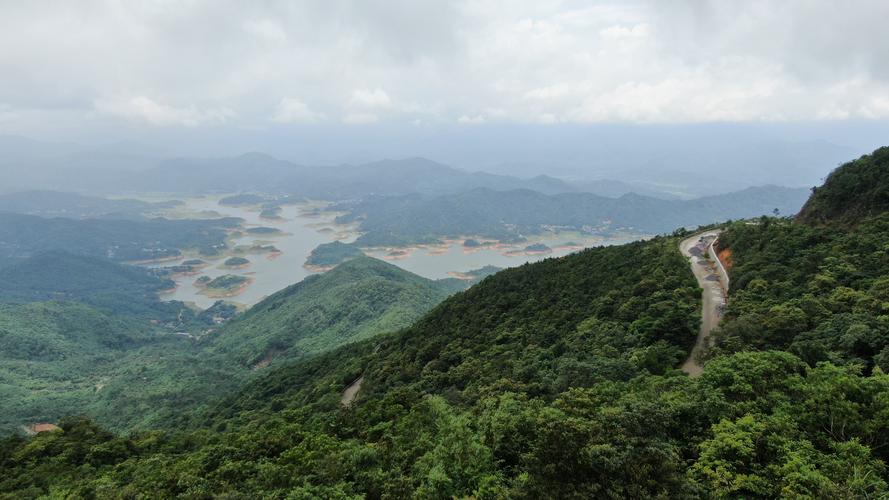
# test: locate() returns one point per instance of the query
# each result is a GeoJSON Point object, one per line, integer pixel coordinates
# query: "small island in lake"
{"type": "Point", "coordinates": [188, 267]}
{"type": "Point", "coordinates": [271, 212]}
{"type": "Point", "coordinates": [472, 243]}
{"type": "Point", "coordinates": [538, 248]}
{"type": "Point", "coordinates": [236, 262]}
{"type": "Point", "coordinates": [328, 255]}
{"type": "Point", "coordinates": [227, 285]}
{"type": "Point", "coordinates": [263, 230]}
{"type": "Point", "coordinates": [242, 199]}
{"type": "Point", "coordinates": [269, 249]}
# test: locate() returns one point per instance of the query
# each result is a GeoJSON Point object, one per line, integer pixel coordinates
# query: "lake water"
{"type": "Point", "coordinates": [452, 258]}
{"type": "Point", "coordinates": [300, 233]}
{"type": "Point", "coordinates": [303, 228]}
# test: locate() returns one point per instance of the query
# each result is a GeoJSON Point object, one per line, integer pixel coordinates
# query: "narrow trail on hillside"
{"type": "Point", "coordinates": [350, 392]}
{"type": "Point", "coordinates": [713, 298]}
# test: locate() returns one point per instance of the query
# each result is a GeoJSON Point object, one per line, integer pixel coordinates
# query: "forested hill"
{"type": "Point", "coordinates": [61, 204]}
{"type": "Point", "coordinates": [509, 214]}
{"type": "Point", "coordinates": [355, 300]}
{"type": "Point", "coordinates": [852, 192]}
{"type": "Point", "coordinates": [603, 314]}
{"type": "Point", "coordinates": [105, 345]}
{"type": "Point", "coordinates": [817, 286]}
{"type": "Point", "coordinates": [59, 275]}
{"type": "Point", "coordinates": [554, 380]}
{"type": "Point", "coordinates": [22, 236]}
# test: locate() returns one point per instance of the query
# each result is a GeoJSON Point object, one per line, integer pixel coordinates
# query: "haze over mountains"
{"type": "Point", "coordinates": [510, 214]}
{"type": "Point", "coordinates": [654, 161]}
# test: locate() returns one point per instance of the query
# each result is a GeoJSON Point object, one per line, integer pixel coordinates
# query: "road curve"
{"type": "Point", "coordinates": [713, 296]}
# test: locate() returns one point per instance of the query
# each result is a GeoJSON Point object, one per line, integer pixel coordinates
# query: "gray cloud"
{"type": "Point", "coordinates": [198, 63]}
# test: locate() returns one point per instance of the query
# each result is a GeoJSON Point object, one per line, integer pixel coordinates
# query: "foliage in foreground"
{"type": "Point", "coordinates": [754, 425]}
{"type": "Point", "coordinates": [553, 380]}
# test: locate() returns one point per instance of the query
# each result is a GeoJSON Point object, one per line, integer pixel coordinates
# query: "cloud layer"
{"type": "Point", "coordinates": [198, 63]}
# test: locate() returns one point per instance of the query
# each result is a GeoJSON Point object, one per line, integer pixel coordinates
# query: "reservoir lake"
{"type": "Point", "coordinates": [304, 226]}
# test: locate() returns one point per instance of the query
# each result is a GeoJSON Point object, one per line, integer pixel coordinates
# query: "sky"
{"type": "Point", "coordinates": [207, 71]}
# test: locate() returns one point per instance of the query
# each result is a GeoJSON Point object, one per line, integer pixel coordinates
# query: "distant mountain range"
{"type": "Point", "coordinates": [257, 172]}
{"type": "Point", "coordinates": [37, 165]}
{"type": "Point", "coordinates": [510, 214]}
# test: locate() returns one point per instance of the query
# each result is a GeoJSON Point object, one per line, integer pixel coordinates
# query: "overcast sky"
{"type": "Point", "coordinates": [265, 65]}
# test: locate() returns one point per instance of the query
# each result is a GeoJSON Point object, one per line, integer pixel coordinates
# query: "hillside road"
{"type": "Point", "coordinates": [713, 296]}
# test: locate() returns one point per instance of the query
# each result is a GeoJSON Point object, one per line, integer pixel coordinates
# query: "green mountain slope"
{"type": "Point", "coordinates": [354, 301]}
{"type": "Point", "coordinates": [856, 190]}
{"type": "Point", "coordinates": [112, 287]}
{"type": "Point", "coordinates": [109, 349]}
{"type": "Point", "coordinates": [821, 292]}
{"type": "Point", "coordinates": [51, 356]}
{"type": "Point", "coordinates": [607, 313]}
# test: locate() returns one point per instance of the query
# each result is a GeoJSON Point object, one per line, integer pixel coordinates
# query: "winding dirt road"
{"type": "Point", "coordinates": [713, 297]}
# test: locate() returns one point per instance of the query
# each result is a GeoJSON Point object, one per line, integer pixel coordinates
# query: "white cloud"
{"type": "Point", "coordinates": [471, 120]}
{"type": "Point", "coordinates": [6, 113]}
{"type": "Point", "coordinates": [533, 61]}
{"type": "Point", "coordinates": [266, 30]}
{"type": "Point", "coordinates": [291, 110]}
{"type": "Point", "coordinates": [618, 31]}
{"type": "Point", "coordinates": [360, 118]}
{"type": "Point", "coordinates": [370, 99]}
{"type": "Point", "coordinates": [145, 110]}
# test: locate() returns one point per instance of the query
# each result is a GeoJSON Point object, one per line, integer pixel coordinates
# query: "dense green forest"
{"type": "Point", "coordinates": [108, 348]}
{"type": "Point", "coordinates": [353, 301]}
{"type": "Point", "coordinates": [819, 286]}
{"type": "Point", "coordinates": [851, 193]}
{"type": "Point", "coordinates": [112, 287]}
{"type": "Point", "coordinates": [556, 380]}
